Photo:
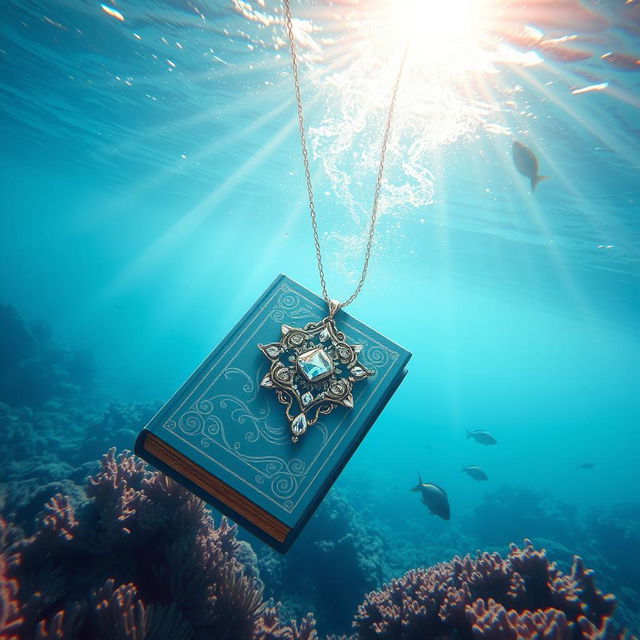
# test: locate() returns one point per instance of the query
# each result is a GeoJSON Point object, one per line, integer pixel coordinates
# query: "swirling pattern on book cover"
{"type": "Point", "coordinates": [228, 409]}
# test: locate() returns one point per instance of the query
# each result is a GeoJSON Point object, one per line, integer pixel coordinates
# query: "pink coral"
{"type": "Point", "coordinates": [117, 490]}
{"type": "Point", "coordinates": [59, 518]}
{"type": "Point", "coordinates": [269, 627]}
{"type": "Point", "coordinates": [10, 619]}
{"type": "Point", "coordinates": [119, 613]}
{"type": "Point", "coordinates": [64, 624]}
{"type": "Point", "coordinates": [487, 597]}
{"type": "Point", "coordinates": [491, 621]}
{"type": "Point", "coordinates": [141, 558]}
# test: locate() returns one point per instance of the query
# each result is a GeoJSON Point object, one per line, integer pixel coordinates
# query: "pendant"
{"type": "Point", "coordinates": [312, 371]}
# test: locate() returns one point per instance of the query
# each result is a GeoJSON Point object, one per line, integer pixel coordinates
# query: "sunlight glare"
{"type": "Point", "coordinates": [435, 27]}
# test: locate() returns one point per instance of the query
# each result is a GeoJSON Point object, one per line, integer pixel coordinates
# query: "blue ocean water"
{"type": "Point", "coordinates": [152, 187]}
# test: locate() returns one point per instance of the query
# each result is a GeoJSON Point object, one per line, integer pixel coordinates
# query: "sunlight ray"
{"type": "Point", "coordinates": [264, 262]}
{"type": "Point", "coordinates": [209, 151]}
{"type": "Point", "coordinates": [191, 221]}
{"type": "Point", "coordinates": [246, 102]}
{"type": "Point", "coordinates": [580, 115]}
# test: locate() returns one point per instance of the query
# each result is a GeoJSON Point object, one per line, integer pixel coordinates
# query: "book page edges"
{"type": "Point", "coordinates": [180, 467]}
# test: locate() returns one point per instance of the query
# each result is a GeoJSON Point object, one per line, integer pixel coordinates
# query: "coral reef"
{"type": "Point", "coordinates": [139, 558]}
{"type": "Point", "coordinates": [613, 537]}
{"type": "Point", "coordinates": [335, 561]}
{"type": "Point", "coordinates": [269, 627]}
{"type": "Point", "coordinates": [10, 620]}
{"type": "Point", "coordinates": [52, 442]}
{"type": "Point", "coordinates": [33, 369]}
{"type": "Point", "coordinates": [154, 566]}
{"type": "Point", "coordinates": [609, 537]}
{"type": "Point", "coordinates": [352, 545]}
{"type": "Point", "coordinates": [55, 422]}
{"type": "Point", "coordinates": [522, 596]}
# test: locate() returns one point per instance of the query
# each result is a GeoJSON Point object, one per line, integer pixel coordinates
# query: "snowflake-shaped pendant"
{"type": "Point", "coordinates": [312, 371]}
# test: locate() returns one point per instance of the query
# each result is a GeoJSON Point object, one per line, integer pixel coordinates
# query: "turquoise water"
{"type": "Point", "coordinates": [152, 187]}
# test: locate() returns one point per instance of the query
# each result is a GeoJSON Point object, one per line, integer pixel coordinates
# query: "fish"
{"type": "Point", "coordinates": [475, 472]}
{"type": "Point", "coordinates": [526, 163]}
{"type": "Point", "coordinates": [434, 498]}
{"type": "Point", "coordinates": [586, 465]}
{"type": "Point", "coordinates": [481, 437]}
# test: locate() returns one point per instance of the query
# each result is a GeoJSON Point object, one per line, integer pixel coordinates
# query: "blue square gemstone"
{"type": "Point", "coordinates": [315, 364]}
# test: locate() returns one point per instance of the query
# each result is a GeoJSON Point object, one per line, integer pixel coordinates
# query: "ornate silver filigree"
{"type": "Point", "coordinates": [312, 371]}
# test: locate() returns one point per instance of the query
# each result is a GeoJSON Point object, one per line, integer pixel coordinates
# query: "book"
{"type": "Point", "coordinates": [227, 438]}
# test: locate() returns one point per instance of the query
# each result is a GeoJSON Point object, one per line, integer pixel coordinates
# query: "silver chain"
{"type": "Point", "coordinates": [305, 158]}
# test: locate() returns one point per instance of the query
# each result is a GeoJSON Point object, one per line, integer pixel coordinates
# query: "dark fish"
{"type": "Point", "coordinates": [526, 163]}
{"type": "Point", "coordinates": [586, 465]}
{"type": "Point", "coordinates": [475, 472]}
{"type": "Point", "coordinates": [434, 498]}
{"type": "Point", "coordinates": [481, 437]}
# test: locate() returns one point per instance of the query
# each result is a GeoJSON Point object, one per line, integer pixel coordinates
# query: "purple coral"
{"type": "Point", "coordinates": [10, 620]}
{"type": "Point", "coordinates": [487, 597]}
{"type": "Point", "coordinates": [491, 621]}
{"type": "Point", "coordinates": [119, 613]}
{"type": "Point", "coordinates": [269, 627]}
{"type": "Point", "coordinates": [141, 558]}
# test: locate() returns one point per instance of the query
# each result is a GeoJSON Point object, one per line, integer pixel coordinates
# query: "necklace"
{"type": "Point", "coordinates": [313, 368]}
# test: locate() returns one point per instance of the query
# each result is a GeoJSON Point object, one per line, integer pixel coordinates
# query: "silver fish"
{"type": "Point", "coordinates": [586, 465]}
{"type": "Point", "coordinates": [526, 163]}
{"type": "Point", "coordinates": [434, 498]}
{"type": "Point", "coordinates": [481, 437]}
{"type": "Point", "coordinates": [475, 472]}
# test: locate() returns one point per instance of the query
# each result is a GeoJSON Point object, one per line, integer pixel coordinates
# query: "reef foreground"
{"type": "Point", "coordinates": [138, 557]}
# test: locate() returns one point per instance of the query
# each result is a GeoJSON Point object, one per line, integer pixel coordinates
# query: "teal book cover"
{"type": "Point", "coordinates": [228, 439]}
